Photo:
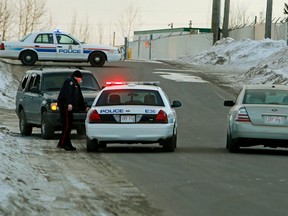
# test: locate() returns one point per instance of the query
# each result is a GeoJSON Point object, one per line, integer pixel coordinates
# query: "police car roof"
{"type": "Point", "coordinates": [132, 86]}
{"type": "Point", "coordinates": [49, 69]}
{"type": "Point", "coordinates": [50, 32]}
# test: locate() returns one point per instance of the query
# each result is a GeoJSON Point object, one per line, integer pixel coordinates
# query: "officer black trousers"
{"type": "Point", "coordinates": [67, 119]}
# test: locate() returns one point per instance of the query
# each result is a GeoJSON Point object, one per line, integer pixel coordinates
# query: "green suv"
{"type": "Point", "coordinates": [36, 100]}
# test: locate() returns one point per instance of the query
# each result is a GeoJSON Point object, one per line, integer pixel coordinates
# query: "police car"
{"type": "Point", "coordinates": [132, 112]}
{"type": "Point", "coordinates": [57, 46]}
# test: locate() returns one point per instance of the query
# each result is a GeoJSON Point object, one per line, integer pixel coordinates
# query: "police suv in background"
{"type": "Point", "coordinates": [57, 46]}
{"type": "Point", "coordinates": [132, 112]}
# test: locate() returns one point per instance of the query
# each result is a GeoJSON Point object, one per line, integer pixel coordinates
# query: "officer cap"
{"type": "Point", "coordinates": [77, 73]}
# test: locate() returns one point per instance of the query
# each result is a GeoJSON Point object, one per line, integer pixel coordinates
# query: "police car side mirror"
{"type": "Point", "coordinates": [176, 104]}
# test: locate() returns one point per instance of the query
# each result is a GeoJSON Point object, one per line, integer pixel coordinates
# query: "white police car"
{"type": "Point", "coordinates": [132, 112]}
{"type": "Point", "coordinates": [57, 46]}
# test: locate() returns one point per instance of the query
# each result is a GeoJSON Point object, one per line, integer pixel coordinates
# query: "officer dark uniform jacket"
{"type": "Point", "coordinates": [70, 93]}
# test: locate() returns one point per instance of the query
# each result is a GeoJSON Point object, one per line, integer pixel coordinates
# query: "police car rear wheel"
{"type": "Point", "coordinates": [25, 129]}
{"type": "Point", "coordinates": [97, 59]}
{"type": "Point", "coordinates": [102, 145]}
{"type": "Point", "coordinates": [92, 145]}
{"type": "Point", "coordinates": [28, 58]}
{"type": "Point", "coordinates": [170, 144]}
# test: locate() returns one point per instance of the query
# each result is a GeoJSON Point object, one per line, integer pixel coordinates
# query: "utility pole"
{"type": "Point", "coordinates": [216, 20]}
{"type": "Point", "coordinates": [268, 19]}
{"type": "Point", "coordinates": [226, 19]}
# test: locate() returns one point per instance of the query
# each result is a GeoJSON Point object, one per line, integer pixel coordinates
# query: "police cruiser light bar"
{"type": "Point", "coordinates": [110, 83]}
{"type": "Point", "coordinates": [57, 30]}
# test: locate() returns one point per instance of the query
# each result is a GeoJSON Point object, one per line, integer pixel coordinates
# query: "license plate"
{"type": "Point", "coordinates": [275, 120]}
{"type": "Point", "coordinates": [128, 118]}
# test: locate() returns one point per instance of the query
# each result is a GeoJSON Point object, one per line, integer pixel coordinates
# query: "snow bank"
{"type": "Point", "coordinates": [8, 87]}
{"type": "Point", "coordinates": [246, 61]}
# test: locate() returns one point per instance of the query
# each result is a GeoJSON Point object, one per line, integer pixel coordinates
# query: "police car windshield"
{"type": "Point", "coordinates": [54, 81]}
{"type": "Point", "coordinates": [130, 97]}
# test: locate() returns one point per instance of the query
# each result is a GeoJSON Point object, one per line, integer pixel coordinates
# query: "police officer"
{"type": "Point", "coordinates": [70, 99]}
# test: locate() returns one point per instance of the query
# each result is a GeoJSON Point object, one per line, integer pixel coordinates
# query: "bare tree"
{"type": "Point", "coordinates": [5, 18]}
{"type": "Point", "coordinates": [49, 21]}
{"type": "Point", "coordinates": [30, 15]}
{"type": "Point", "coordinates": [84, 30]}
{"type": "Point", "coordinates": [239, 16]}
{"type": "Point", "coordinates": [130, 21]}
{"type": "Point", "coordinates": [81, 29]}
{"type": "Point", "coordinates": [73, 24]}
{"type": "Point", "coordinates": [100, 32]}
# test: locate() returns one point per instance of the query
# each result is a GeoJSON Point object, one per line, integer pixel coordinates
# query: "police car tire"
{"type": "Point", "coordinates": [47, 130]}
{"type": "Point", "coordinates": [170, 144]}
{"type": "Point", "coordinates": [28, 58]}
{"type": "Point", "coordinates": [102, 144]}
{"type": "Point", "coordinates": [25, 129]}
{"type": "Point", "coordinates": [92, 145]}
{"type": "Point", "coordinates": [97, 59]}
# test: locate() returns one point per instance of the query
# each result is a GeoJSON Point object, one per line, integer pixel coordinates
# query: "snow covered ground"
{"type": "Point", "coordinates": [8, 87]}
{"type": "Point", "coordinates": [236, 62]}
{"type": "Point", "coordinates": [245, 62]}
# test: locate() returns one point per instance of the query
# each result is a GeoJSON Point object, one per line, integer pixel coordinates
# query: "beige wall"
{"type": "Point", "coordinates": [173, 47]}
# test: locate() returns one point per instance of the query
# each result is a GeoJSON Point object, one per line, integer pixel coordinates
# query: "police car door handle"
{"type": "Point", "coordinates": [59, 46]}
{"type": "Point", "coordinates": [36, 45]}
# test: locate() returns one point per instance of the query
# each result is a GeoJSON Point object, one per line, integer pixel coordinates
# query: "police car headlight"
{"type": "Point", "coordinates": [53, 107]}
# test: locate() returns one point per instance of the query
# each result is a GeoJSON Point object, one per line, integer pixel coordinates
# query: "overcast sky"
{"type": "Point", "coordinates": [155, 14]}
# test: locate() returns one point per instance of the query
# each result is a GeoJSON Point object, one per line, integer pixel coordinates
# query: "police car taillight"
{"type": "Point", "coordinates": [94, 117]}
{"type": "Point", "coordinates": [161, 117]}
{"type": "Point", "coordinates": [2, 46]}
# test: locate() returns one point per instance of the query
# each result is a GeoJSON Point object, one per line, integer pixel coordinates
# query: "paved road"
{"type": "Point", "coordinates": [200, 177]}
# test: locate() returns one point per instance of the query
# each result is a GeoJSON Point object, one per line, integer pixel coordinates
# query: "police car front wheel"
{"type": "Point", "coordinates": [97, 59]}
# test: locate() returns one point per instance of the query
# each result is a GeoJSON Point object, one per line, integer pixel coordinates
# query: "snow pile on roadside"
{"type": "Point", "coordinates": [246, 61]}
{"type": "Point", "coordinates": [17, 179]}
{"type": "Point", "coordinates": [8, 87]}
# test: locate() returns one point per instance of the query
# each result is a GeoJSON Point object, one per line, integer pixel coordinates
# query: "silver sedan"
{"type": "Point", "coordinates": [259, 116]}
